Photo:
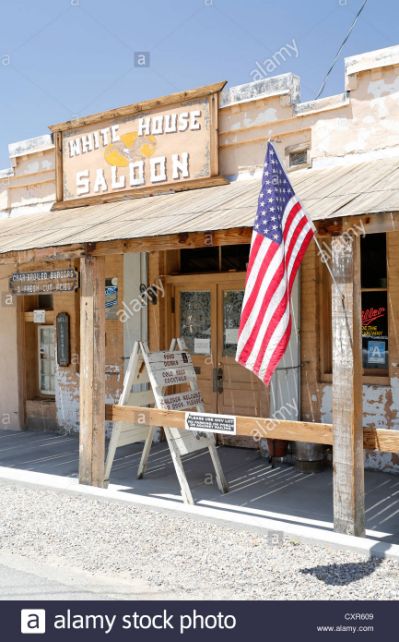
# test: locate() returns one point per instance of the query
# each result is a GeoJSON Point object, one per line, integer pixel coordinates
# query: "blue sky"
{"type": "Point", "coordinates": [65, 58]}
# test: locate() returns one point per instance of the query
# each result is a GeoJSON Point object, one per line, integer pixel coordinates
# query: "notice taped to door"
{"type": "Point", "coordinates": [207, 422]}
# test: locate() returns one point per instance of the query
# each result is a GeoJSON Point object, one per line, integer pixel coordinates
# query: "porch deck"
{"type": "Point", "coordinates": [281, 493]}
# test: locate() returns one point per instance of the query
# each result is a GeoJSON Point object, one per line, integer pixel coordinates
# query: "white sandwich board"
{"type": "Point", "coordinates": [159, 370]}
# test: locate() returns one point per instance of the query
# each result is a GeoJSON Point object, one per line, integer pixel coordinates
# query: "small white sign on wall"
{"type": "Point", "coordinates": [202, 346]}
{"type": "Point", "coordinates": [208, 422]}
{"type": "Point", "coordinates": [39, 316]}
{"type": "Point", "coordinates": [231, 336]}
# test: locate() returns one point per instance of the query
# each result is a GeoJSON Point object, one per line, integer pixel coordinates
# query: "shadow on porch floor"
{"type": "Point", "coordinates": [280, 493]}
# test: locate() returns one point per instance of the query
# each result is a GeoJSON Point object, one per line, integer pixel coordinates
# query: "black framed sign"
{"type": "Point", "coordinates": [63, 339]}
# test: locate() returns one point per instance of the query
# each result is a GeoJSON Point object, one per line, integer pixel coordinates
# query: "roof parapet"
{"type": "Point", "coordinates": [265, 88]}
{"type": "Point", "coordinates": [389, 56]}
{"type": "Point", "coordinates": [322, 104]}
{"type": "Point", "coordinates": [30, 146]}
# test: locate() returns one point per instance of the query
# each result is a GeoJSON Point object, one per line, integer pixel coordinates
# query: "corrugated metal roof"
{"type": "Point", "coordinates": [364, 188]}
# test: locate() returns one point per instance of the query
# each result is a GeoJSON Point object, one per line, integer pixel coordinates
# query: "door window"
{"type": "Point", "coordinates": [232, 303]}
{"type": "Point", "coordinates": [195, 320]}
{"type": "Point", "coordinates": [46, 360]}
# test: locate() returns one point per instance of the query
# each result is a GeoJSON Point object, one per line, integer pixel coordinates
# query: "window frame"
{"type": "Point", "coordinates": [373, 376]}
{"type": "Point", "coordinates": [45, 393]}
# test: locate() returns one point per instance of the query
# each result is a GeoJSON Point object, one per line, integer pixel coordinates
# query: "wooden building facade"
{"type": "Point", "coordinates": [152, 205]}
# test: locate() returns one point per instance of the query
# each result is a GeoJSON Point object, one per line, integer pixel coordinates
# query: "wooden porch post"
{"type": "Point", "coordinates": [348, 459]}
{"type": "Point", "coordinates": [92, 371]}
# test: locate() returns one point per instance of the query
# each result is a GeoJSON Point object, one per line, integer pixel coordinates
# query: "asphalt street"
{"type": "Point", "coordinates": [23, 579]}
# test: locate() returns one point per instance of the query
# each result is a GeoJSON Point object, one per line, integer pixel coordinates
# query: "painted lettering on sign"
{"type": "Point", "coordinates": [174, 376]}
{"type": "Point", "coordinates": [181, 400]}
{"type": "Point", "coordinates": [162, 360]}
{"type": "Point", "coordinates": [161, 147]}
{"type": "Point", "coordinates": [371, 314]}
{"type": "Point", "coordinates": [207, 422]}
{"type": "Point", "coordinates": [44, 282]}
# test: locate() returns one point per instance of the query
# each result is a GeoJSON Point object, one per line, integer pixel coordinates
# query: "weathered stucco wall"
{"type": "Point", "coordinates": [361, 123]}
{"type": "Point", "coordinates": [380, 410]}
{"type": "Point", "coordinates": [28, 186]}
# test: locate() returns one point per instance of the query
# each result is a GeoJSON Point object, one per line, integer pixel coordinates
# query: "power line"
{"type": "Point", "coordinates": [345, 40]}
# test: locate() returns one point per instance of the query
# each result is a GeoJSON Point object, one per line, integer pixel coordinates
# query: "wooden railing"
{"type": "Point", "coordinates": [257, 427]}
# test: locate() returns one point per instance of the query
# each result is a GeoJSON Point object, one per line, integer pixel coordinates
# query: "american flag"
{"type": "Point", "coordinates": [281, 234]}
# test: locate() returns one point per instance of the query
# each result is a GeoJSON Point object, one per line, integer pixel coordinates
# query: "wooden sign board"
{"type": "Point", "coordinates": [154, 146]}
{"type": "Point", "coordinates": [44, 281]}
{"type": "Point", "coordinates": [63, 339]}
{"type": "Point", "coordinates": [160, 367]}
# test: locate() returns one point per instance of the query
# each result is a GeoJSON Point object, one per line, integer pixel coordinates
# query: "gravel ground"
{"type": "Point", "coordinates": [180, 556]}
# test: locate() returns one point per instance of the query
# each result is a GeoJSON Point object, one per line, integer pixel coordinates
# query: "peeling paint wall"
{"type": "Point", "coordinates": [380, 410]}
{"type": "Point", "coordinates": [362, 123]}
{"type": "Point", "coordinates": [28, 186]}
{"type": "Point", "coordinates": [67, 400]}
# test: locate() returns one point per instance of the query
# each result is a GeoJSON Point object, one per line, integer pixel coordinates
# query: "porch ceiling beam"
{"type": "Point", "coordinates": [348, 459]}
{"type": "Point", "coordinates": [232, 236]}
{"type": "Point", "coordinates": [184, 240]}
{"type": "Point", "coordinates": [46, 254]}
{"type": "Point", "coordinates": [358, 224]}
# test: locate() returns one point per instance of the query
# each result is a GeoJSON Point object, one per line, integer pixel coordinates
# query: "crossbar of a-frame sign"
{"type": "Point", "coordinates": [160, 370]}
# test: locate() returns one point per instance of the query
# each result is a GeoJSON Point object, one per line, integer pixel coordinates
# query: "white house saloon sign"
{"type": "Point", "coordinates": [164, 144]}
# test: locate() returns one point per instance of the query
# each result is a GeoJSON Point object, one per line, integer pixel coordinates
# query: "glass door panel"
{"type": "Point", "coordinates": [195, 321]}
{"type": "Point", "coordinates": [195, 316]}
{"type": "Point", "coordinates": [232, 304]}
{"type": "Point", "coordinates": [46, 339]}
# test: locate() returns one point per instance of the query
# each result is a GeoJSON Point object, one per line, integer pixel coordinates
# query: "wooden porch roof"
{"type": "Point", "coordinates": [370, 187]}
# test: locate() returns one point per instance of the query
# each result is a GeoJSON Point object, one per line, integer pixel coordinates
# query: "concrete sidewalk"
{"type": "Point", "coordinates": [260, 497]}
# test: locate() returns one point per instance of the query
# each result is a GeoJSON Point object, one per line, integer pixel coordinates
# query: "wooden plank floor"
{"type": "Point", "coordinates": [256, 488]}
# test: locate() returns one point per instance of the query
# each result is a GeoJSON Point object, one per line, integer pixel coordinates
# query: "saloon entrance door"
{"type": "Point", "coordinates": [206, 311]}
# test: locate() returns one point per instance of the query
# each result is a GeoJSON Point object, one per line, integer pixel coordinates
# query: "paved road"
{"type": "Point", "coordinates": [24, 579]}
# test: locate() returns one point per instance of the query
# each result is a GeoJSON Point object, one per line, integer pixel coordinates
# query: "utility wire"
{"type": "Point", "coordinates": [345, 40]}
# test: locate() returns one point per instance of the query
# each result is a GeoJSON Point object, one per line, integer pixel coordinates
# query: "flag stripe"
{"type": "Point", "coordinates": [267, 290]}
{"type": "Point", "coordinates": [267, 301]}
{"type": "Point", "coordinates": [254, 291]}
{"type": "Point", "coordinates": [254, 285]}
{"type": "Point", "coordinates": [282, 308]}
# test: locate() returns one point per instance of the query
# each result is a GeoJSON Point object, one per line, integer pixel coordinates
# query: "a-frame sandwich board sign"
{"type": "Point", "coordinates": [123, 434]}
{"type": "Point", "coordinates": [163, 369]}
